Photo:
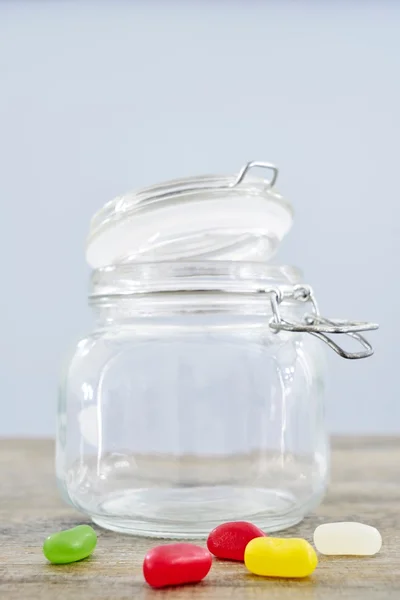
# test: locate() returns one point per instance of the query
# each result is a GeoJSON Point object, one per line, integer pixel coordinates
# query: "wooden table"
{"type": "Point", "coordinates": [365, 487]}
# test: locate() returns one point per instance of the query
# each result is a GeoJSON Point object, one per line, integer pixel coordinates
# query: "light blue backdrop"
{"type": "Point", "coordinates": [98, 98]}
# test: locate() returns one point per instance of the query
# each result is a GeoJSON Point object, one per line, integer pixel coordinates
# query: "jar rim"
{"type": "Point", "coordinates": [132, 278]}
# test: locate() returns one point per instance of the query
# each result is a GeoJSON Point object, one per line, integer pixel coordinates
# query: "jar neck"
{"type": "Point", "coordinates": [133, 279]}
{"type": "Point", "coordinates": [195, 306]}
{"type": "Point", "coordinates": [127, 292]}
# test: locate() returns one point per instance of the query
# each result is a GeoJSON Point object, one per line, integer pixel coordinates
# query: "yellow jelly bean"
{"type": "Point", "coordinates": [278, 557]}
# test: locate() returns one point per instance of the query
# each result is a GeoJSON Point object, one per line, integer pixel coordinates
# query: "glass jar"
{"type": "Point", "coordinates": [198, 396]}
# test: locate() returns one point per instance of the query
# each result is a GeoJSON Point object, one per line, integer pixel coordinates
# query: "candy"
{"type": "Point", "coordinates": [70, 545]}
{"type": "Point", "coordinates": [276, 557]}
{"type": "Point", "coordinates": [229, 540]}
{"type": "Point", "coordinates": [176, 564]}
{"type": "Point", "coordinates": [347, 538]}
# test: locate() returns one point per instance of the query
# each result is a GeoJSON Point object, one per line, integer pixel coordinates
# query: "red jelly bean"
{"type": "Point", "coordinates": [229, 540]}
{"type": "Point", "coordinates": [176, 564]}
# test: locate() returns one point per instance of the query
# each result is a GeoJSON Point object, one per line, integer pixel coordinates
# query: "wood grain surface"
{"type": "Point", "coordinates": [365, 487]}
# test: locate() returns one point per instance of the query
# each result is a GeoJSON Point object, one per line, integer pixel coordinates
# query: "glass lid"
{"type": "Point", "coordinates": [238, 218]}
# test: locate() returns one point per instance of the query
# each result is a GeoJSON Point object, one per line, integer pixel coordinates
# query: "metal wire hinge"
{"type": "Point", "coordinates": [314, 324]}
{"type": "Point", "coordinates": [255, 163]}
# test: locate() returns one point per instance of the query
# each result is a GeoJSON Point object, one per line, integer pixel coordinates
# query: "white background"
{"type": "Point", "coordinates": [98, 98]}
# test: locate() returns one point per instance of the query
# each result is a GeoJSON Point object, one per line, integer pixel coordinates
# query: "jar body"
{"type": "Point", "coordinates": [170, 424]}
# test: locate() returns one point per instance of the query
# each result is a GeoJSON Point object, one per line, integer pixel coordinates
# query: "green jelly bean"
{"type": "Point", "coordinates": [70, 545]}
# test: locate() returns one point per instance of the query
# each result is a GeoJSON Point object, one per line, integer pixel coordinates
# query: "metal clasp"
{"type": "Point", "coordinates": [314, 324]}
{"type": "Point", "coordinates": [255, 163]}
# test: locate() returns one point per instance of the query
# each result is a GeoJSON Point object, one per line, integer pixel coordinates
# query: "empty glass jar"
{"type": "Point", "coordinates": [198, 396]}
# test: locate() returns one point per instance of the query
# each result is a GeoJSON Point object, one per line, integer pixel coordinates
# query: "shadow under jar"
{"type": "Point", "coordinates": [198, 397]}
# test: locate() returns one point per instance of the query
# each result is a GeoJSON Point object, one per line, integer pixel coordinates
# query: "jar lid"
{"type": "Point", "coordinates": [203, 218]}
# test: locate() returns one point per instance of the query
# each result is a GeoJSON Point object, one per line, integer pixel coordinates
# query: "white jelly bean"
{"type": "Point", "coordinates": [352, 539]}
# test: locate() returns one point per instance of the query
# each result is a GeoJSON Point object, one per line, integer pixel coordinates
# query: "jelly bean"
{"type": "Point", "coordinates": [276, 557]}
{"type": "Point", "coordinates": [70, 545]}
{"type": "Point", "coordinates": [347, 538]}
{"type": "Point", "coordinates": [229, 540]}
{"type": "Point", "coordinates": [176, 564]}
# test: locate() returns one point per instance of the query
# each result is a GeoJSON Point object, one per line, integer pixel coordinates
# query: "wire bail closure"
{"type": "Point", "coordinates": [314, 324]}
{"type": "Point", "coordinates": [255, 163]}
